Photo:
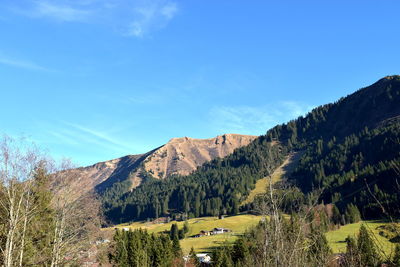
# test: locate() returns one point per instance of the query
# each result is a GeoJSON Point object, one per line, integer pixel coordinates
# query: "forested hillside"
{"type": "Point", "coordinates": [349, 147]}
{"type": "Point", "coordinates": [215, 188]}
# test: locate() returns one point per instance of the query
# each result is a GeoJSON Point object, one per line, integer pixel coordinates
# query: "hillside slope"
{"type": "Point", "coordinates": [183, 155]}
{"type": "Point", "coordinates": [179, 156]}
{"type": "Point", "coordinates": [346, 147]}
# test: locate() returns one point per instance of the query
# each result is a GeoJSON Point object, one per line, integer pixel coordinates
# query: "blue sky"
{"type": "Point", "coordinates": [93, 80]}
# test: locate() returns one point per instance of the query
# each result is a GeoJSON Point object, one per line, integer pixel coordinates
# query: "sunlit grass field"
{"type": "Point", "coordinates": [238, 224]}
{"type": "Point", "coordinates": [337, 238]}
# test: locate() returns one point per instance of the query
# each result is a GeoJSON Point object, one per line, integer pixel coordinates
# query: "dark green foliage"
{"type": "Point", "coordinates": [349, 149]}
{"type": "Point", "coordinates": [174, 232]}
{"type": "Point", "coordinates": [138, 248]}
{"type": "Point", "coordinates": [319, 250]}
{"type": "Point", "coordinates": [240, 252]}
{"type": "Point", "coordinates": [215, 188]}
{"type": "Point", "coordinates": [221, 257]}
{"type": "Point", "coordinates": [336, 216]}
{"type": "Point", "coordinates": [396, 258]}
{"type": "Point", "coordinates": [176, 248]}
{"type": "Point", "coordinates": [352, 214]}
{"type": "Point", "coordinates": [362, 252]}
{"type": "Point", "coordinates": [181, 234]}
{"type": "Point", "coordinates": [367, 248]}
{"type": "Point", "coordinates": [39, 232]}
{"type": "Point", "coordinates": [352, 256]}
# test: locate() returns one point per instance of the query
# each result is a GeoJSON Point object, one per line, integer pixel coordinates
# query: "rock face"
{"type": "Point", "coordinates": [179, 156]}
{"type": "Point", "coordinates": [184, 155]}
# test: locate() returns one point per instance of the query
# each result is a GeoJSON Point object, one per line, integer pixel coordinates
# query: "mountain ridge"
{"type": "Point", "coordinates": [179, 156]}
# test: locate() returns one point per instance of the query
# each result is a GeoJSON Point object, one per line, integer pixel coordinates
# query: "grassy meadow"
{"type": "Point", "coordinates": [238, 224]}
{"type": "Point", "coordinates": [337, 238]}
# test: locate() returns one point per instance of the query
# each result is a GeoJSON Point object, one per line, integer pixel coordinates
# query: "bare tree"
{"type": "Point", "coordinates": [77, 218]}
{"type": "Point", "coordinates": [18, 163]}
{"type": "Point", "coordinates": [71, 220]}
{"type": "Point", "coordinates": [287, 239]}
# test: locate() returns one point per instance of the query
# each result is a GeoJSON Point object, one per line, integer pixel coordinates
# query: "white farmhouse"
{"type": "Point", "coordinates": [204, 258]}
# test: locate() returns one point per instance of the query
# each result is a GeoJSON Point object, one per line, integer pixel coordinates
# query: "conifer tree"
{"type": "Point", "coordinates": [366, 247]}
{"type": "Point", "coordinates": [174, 232]}
{"type": "Point", "coordinates": [176, 247]}
{"type": "Point", "coordinates": [352, 256]}
{"type": "Point", "coordinates": [222, 257]}
{"type": "Point", "coordinates": [120, 255]}
{"type": "Point", "coordinates": [240, 251]}
{"type": "Point", "coordinates": [319, 250]}
{"type": "Point", "coordinates": [336, 216]}
{"type": "Point", "coordinates": [352, 214]}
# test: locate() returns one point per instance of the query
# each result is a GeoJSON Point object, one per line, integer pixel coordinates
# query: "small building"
{"type": "Point", "coordinates": [205, 233]}
{"type": "Point", "coordinates": [217, 231]}
{"type": "Point", "coordinates": [204, 258]}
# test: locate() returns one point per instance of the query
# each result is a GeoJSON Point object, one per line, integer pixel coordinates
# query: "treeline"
{"type": "Point", "coordinates": [139, 248]}
{"type": "Point", "coordinates": [218, 187]}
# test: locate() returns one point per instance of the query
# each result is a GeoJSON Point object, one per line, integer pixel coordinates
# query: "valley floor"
{"type": "Point", "coordinates": [237, 224]}
{"type": "Point", "coordinates": [240, 223]}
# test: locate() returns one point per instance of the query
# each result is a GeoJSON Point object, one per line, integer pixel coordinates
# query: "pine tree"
{"type": "Point", "coordinates": [319, 250]}
{"type": "Point", "coordinates": [176, 247]}
{"type": "Point", "coordinates": [352, 255]}
{"type": "Point", "coordinates": [197, 206]}
{"type": "Point", "coordinates": [235, 206]}
{"type": "Point", "coordinates": [174, 232]}
{"type": "Point", "coordinates": [336, 216]}
{"type": "Point", "coordinates": [366, 248]}
{"type": "Point", "coordinates": [352, 214]}
{"type": "Point", "coordinates": [120, 256]}
{"type": "Point", "coordinates": [240, 251]}
{"type": "Point", "coordinates": [40, 228]}
{"type": "Point", "coordinates": [222, 258]}
{"type": "Point", "coordinates": [181, 234]}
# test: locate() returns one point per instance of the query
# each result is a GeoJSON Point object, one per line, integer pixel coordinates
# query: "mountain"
{"type": "Point", "coordinates": [183, 155]}
{"type": "Point", "coordinates": [350, 150]}
{"type": "Point", "coordinates": [180, 156]}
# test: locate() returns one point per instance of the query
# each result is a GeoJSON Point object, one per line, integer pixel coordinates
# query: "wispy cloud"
{"type": "Point", "coordinates": [255, 120]}
{"type": "Point", "coordinates": [101, 136]}
{"type": "Point", "coordinates": [58, 11]}
{"type": "Point", "coordinates": [24, 64]}
{"type": "Point", "coordinates": [136, 18]}
{"type": "Point", "coordinates": [152, 16]}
